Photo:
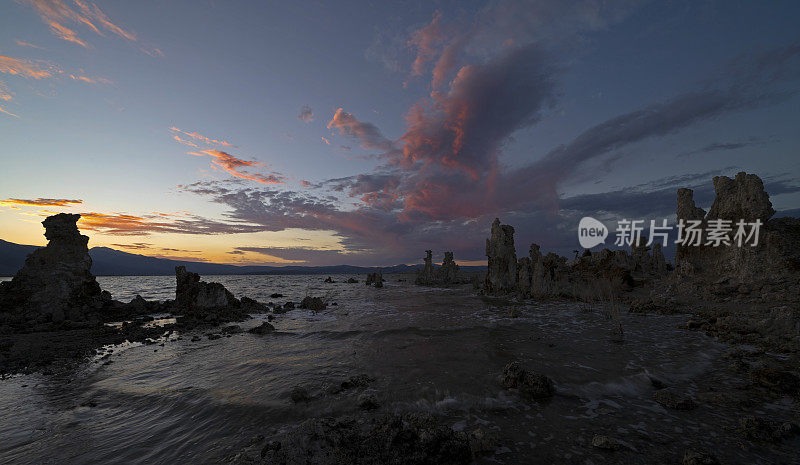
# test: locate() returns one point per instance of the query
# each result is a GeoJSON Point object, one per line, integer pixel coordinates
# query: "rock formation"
{"type": "Point", "coordinates": [501, 276]}
{"type": "Point", "coordinates": [375, 279]}
{"type": "Point", "coordinates": [208, 303]}
{"type": "Point", "coordinates": [193, 295]}
{"type": "Point", "coordinates": [551, 275]}
{"type": "Point", "coordinates": [776, 256]}
{"type": "Point", "coordinates": [56, 282]}
{"type": "Point", "coordinates": [425, 276]}
{"type": "Point", "coordinates": [446, 274]}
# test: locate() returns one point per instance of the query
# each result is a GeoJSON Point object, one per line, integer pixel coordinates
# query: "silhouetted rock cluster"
{"type": "Point", "coordinates": [375, 279]}
{"type": "Point", "coordinates": [540, 275]}
{"type": "Point", "coordinates": [730, 266]}
{"type": "Point", "coordinates": [56, 282]}
{"type": "Point", "coordinates": [445, 274]}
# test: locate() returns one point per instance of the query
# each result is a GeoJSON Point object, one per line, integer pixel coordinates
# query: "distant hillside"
{"type": "Point", "coordinates": [110, 262]}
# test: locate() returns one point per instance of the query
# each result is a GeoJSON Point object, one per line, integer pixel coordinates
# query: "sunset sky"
{"type": "Point", "coordinates": [364, 133]}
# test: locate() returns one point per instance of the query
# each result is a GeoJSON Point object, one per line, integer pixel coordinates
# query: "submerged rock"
{"type": "Point", "coordinates": [56, 282]}
{"type": "Point", "coordinates": [368, 401]}
{"type": "Point", "coordinates": [413, 438]}
{"type": "Point", "coordinates": [602, 441]}
{"type": "Point", "coordinates": [695, 457]}
{"type": "Point", "coordinates": [357, 381]}
{"type": "Point", "coordinates": [530, 384]}
{"type": "Point", "coordinates": [782, 382]}
{"type": "Point", "coordinates": [669, 399]}
{"type": "Point", "coordinates": [300, 394]}
{"type": "Point", "coordinates": [766, 430]}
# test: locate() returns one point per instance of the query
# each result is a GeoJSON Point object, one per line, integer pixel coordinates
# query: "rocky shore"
{"type": "Point", "coordinates": [55, 312]}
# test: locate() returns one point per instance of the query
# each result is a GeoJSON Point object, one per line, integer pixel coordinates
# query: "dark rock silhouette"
{"type": "Point", "coordinates": [501, 276]}
{"type": "Point", "coordinates": [554, 276]}
{"type": "Point", "coordinates": [313, 303]}
{"type": "Point", "coordinates": [193, 295]}
{"type": "Point", "coordinates": [56, 282]}
{"type": "Point", "coordinates": [375, 279]}
{"type": "Point", "coordinates": [445, 274]}
{"type": "Point", "coordinates": [769, 267]}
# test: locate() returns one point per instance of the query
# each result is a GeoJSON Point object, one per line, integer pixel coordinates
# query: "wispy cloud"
{"type": "Point", "coordinates": [40, 202]}
{"type": "Point", "coordinates": [90, 80]}
{"type": "Point", "coordinates": [235, 167]}
{"type": "Point", "coordinates": [121, 224]}
{"type": "Point", "coordinates": [202, 138]}
{"type": "Point", "coordinates": [57, 14]}
{"type": "Point", "coordinates": [22, 43]}
{"type": "Point", "coordinates": [27, 68]}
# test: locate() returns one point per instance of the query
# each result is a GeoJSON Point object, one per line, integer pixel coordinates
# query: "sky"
{"type": "Point", "coordinates": [364, 133]}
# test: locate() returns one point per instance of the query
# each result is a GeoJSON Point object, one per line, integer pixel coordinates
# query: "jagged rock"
{"type": "Point", "coordinates": [530, 384]}
{"type": "Point", "coordinates": [444, 275]}
{"type": "Point", "coordinates": [329, 280]}
{"type": "Point", "coordinates": [288, 306]}
{"type": "Point", "coordinates": [193, 295]}
{"type": "Point", "coordinates": [252, 306]}
{"type": "Point", "coordinates": [313, 303]}
{"type": "Point", "coordinates": [56, 282]}
{"type": "Point", "coordinates": [501, 275]}
{"type": "Point", "coordinates": [741, 198]}
{"type": "Point", "coordinates": [730, 268]}
{"type": "Point", "coordinates": [425, 276]}
{"type": "Point", "coordinates": [414, 439]}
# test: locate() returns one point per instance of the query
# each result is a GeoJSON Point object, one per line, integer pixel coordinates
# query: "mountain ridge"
{"type": "Point", "coordinates": [111, 262]}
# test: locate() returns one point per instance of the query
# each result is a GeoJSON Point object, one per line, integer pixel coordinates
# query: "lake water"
{"type": "Point", "coordinates": [436, 350]}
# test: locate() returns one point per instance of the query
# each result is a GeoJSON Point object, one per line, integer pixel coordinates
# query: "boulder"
{"type": "Point", "coordinates": [261, 329]}
{"type": "Point", "coordinates": [530, 384]}
{"type": "Point", "coordinates": [313, 303]}
{"type": "Point", "coordinates": [193, 295]}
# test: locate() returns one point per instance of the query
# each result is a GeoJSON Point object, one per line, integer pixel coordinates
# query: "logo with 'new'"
{"type": "Point", "coordinates": [591, 232]}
